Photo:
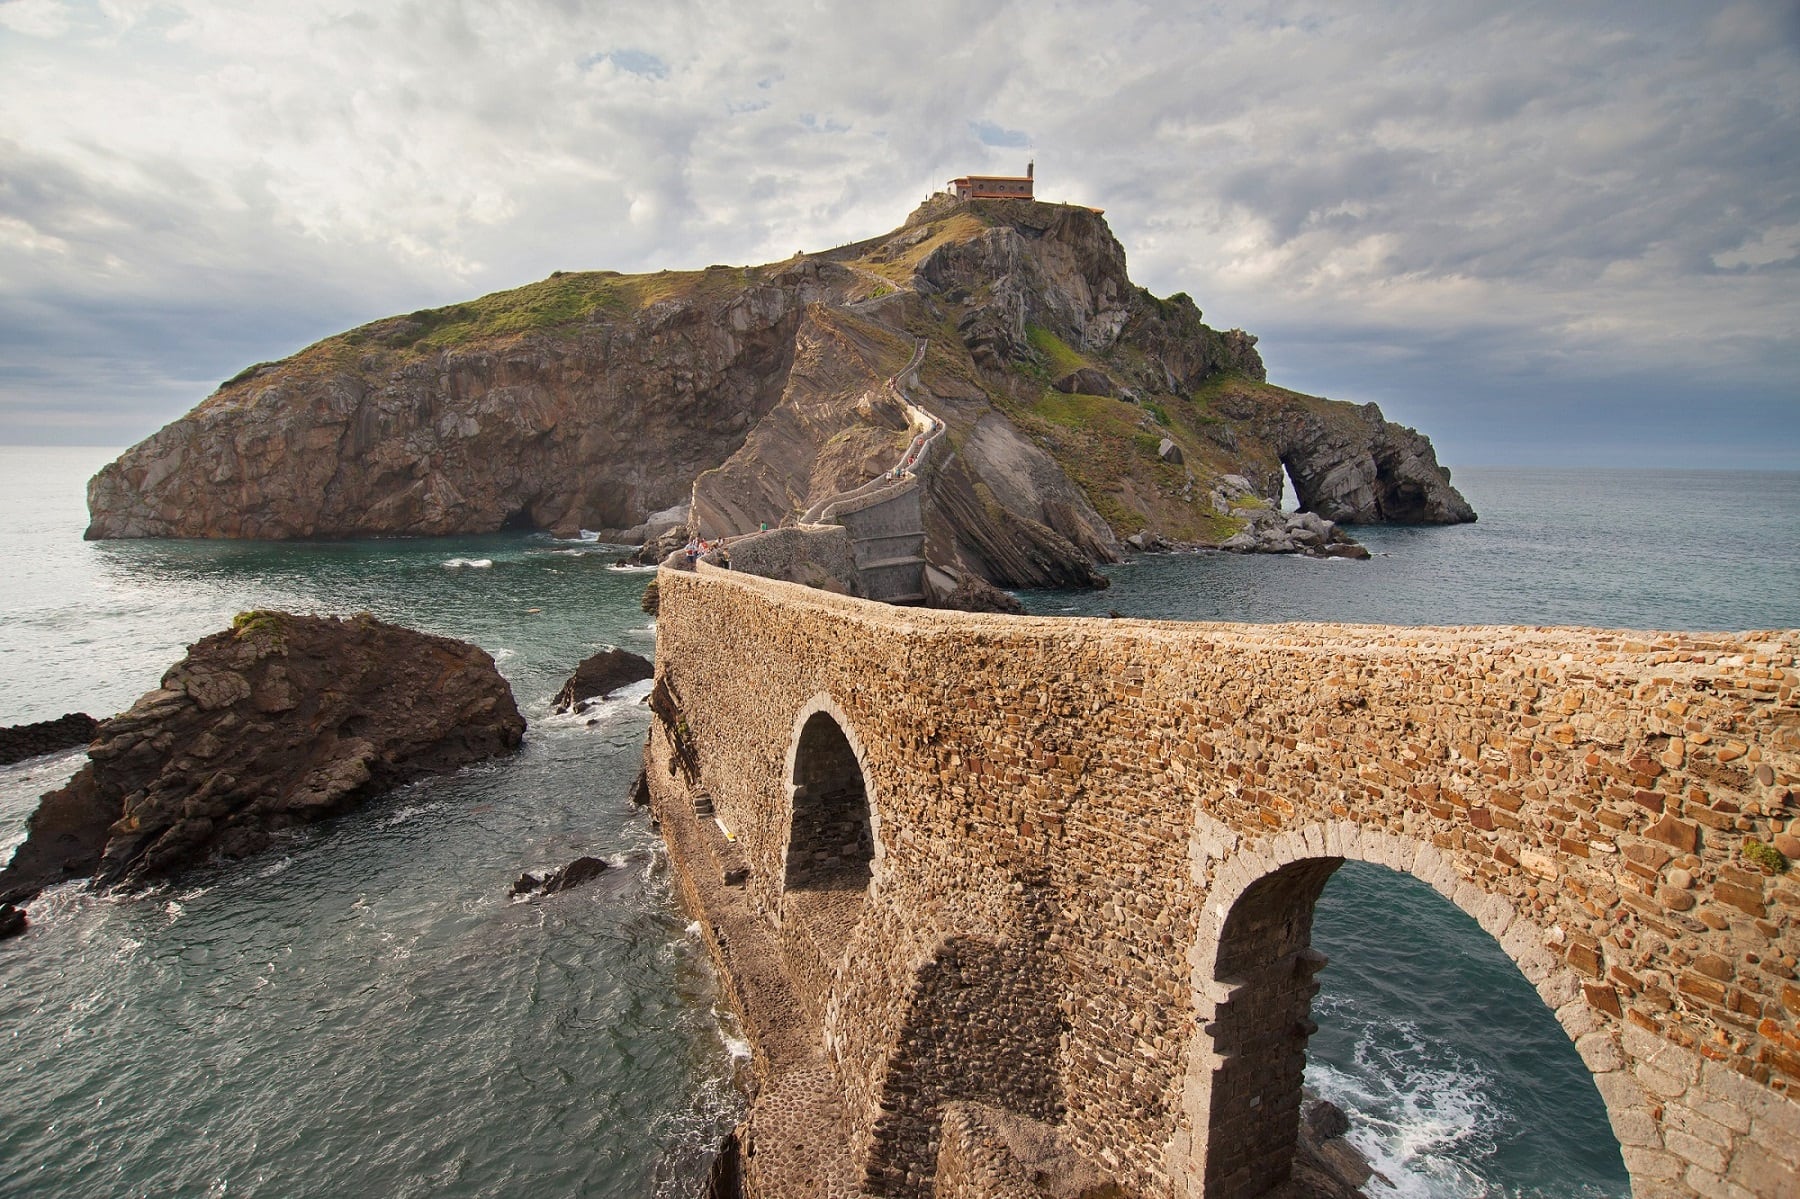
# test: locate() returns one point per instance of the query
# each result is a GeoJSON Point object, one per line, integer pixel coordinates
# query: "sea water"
{"type": "Point", "coordinates": [362, 1010]}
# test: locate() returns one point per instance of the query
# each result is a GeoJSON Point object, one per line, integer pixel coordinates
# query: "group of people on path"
{"type": "Point", "coordinates": [697, 548]}
{"type": "Point", "coordinates": [916, 449]}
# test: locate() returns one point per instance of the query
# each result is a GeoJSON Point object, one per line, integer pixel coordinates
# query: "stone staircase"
{"type": "Point", "coordinates": [884, 515]}
{"type": "Point", "coordinates": [887, 536]}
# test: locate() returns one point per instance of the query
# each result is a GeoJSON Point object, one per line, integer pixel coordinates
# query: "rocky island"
{"type": "Point", "coordinates": [276, 722]}
{"type": "Point", "coordinates": [1075, 415]}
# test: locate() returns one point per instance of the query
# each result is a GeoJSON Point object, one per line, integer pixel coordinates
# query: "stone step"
{"type": "Point", "coordinates": [886, 563]}
{"type": "Point", "coordinates": [902, 537]}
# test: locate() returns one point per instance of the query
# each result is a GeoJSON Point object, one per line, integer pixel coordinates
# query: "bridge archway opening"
{"type": "Point", "coordinates": [831, 840]}
{"type": "Point", "coordinates": [1436, 977]}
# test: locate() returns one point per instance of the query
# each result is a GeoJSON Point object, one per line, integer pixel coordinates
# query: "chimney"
{"type": "Point", "coordinates": [1030, 167]}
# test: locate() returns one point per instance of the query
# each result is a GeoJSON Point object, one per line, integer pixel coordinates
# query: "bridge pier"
{"type": "Point", "coordinates": [1266, 967]}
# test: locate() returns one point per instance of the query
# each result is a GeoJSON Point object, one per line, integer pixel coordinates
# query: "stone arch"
{"type": "Point", "coordinates": [981, 1024]}
{"type": "Point", "coordinates": [832, 841]}
{"type": "Point", "coordinates": [1253, 982]}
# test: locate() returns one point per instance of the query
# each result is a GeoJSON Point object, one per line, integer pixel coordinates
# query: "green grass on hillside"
{"type": "Point", "coordinates": [959, 227]}
{"type": "Point", "coordinates": [1058, 357]}
{"type": "Point", "coordinates": [564, 299]}
{"type": "Point", "coordinates": [1101, 442]}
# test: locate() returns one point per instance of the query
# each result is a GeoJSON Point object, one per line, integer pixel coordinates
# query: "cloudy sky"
{"type": "Point", "coordinates": [1542, 233]}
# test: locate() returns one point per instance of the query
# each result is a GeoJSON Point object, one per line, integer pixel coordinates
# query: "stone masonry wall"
{"type": "Point", "coordinates": [1100, 796]}
{"type": "Point", "coordinates": [978, 1027]}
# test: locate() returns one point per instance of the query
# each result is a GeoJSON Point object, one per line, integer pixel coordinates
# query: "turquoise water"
{"type": "Point", "coordinates": [361, 1011]}
{"type": "Point", "coordinates": [1617, 549]}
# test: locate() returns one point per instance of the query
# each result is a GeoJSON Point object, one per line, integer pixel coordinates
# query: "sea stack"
{"type": "Point", "coordinates": [278, 721]}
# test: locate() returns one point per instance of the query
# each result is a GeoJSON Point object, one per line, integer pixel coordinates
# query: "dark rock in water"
{"type": "Point", "coordinates": [602, 673]}
{"type": "Point", "coordinates": [21, 741]}
{"type": "Point", "coordinates": [279, 721]}
{"type": "Point", "coordinates": [725, 1180]}
{"type": "Point", "coordinates": [1325, 1119]}
{"type": "Point", "coordinates": [1348, 549]}
{"type": "Point", "coordinates": [63, 838]}
{"type": "Point", "coordinates": [12, 921]}
{"type": "Point", "coordinates": [1326, 1166]}
{"type": "Point", "coordinates": [579, 871]}
{"type": "Point", "coordinates": [640, 790]}
{"type": "Point", "coordinates": [655, 549]}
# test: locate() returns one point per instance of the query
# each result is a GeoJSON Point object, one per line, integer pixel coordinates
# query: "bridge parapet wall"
{"type": "Point", "coordinates": [1091, 799]}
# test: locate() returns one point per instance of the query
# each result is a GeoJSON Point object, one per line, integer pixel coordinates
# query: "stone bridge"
{"type": "Point", "coordinates": [972, 874]}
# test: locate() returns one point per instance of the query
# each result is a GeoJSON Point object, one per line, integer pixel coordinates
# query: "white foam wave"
{"type": "Point", "coordinates": [274, 868]}
{"type": "Point", "coordinates": [632, 568]}
{"type": "Point", "coordinates": [473, 563]}
{"type": "Point", "coordinates": [1417, 1113]}
{"type": "Point", "coordinates": [406, 813]}
{"type": "Point", "coordinates": [598, 712]}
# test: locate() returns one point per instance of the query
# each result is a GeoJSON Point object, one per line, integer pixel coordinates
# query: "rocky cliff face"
{"type": "Point", "coordinates": [445, 422]}
{"type": "Point", "coordinates": [277, 722]}
{"type": "Point", "coordinates": [1079, 409]}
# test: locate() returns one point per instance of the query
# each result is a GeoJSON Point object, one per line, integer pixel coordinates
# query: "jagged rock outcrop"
{"type": "Point", "coordinates": [408, 426]}
{"type": "Point", "coordinates": [21, 741]}
{"type": "Point", "coordinates": [276, 722]}
{"type": "Point", "coordinates": [1270, 532]}
{"type": "Point", "coordinates": [600, 674]}
{"type": "Point", "coordinates": [1350, 465]}
{"type": "Point", "coordinates": [1075, 408]}
{"type": "Point", "coordinates": [965, 591]}
{"type": "Point", "coordinates": [563, 878]}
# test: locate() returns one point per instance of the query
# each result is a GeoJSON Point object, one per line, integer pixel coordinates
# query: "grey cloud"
{"type": "Point", "coordinates": [1410, 194]}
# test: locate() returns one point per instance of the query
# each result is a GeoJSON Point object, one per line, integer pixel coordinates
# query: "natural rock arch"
{"type": "Point", "coordinates": [1254, 979]}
